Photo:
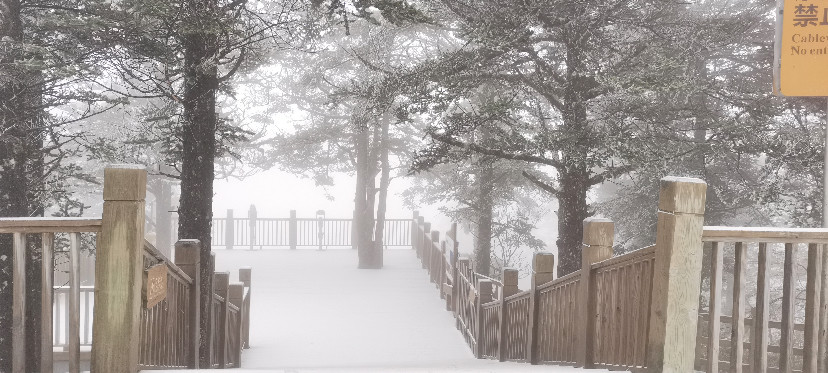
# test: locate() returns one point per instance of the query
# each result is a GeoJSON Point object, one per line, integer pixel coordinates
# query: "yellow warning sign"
{"type": "Point", "coordinates": [804, 48]}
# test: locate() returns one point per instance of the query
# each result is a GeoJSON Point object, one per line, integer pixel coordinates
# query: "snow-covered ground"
{"type": "Point", "coordinates": [314, 311]}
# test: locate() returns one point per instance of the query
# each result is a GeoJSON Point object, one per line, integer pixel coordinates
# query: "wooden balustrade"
{"type": "Point", "coordinates": [166, 328]}
{"type": "Point", "coordinates": [490, 329]}
{"type": "Point", "coordinates": [514, 327]}
{"type": "Point", "coordinates": [127, 334]}
{"type": "Point", "coordinates": [640, 311]}
{"type": "Point", "coordinates": [464, 308]}
{"type": "Point", "coordinates": [616, 312]}
{"type": "Point", "coordinates": [255, 232]}
{"type": "Point", "coordinates": [557, 316]}
{"type": "Point", "coordinates": [783, 256]}
{"type": "Point", "coordinates": [25, 230]}
{"type": "Point", "coordinates": [623, 287]}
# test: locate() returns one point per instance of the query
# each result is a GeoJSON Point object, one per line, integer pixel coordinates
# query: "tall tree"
{"type": "Point", "coordinates": [187, 52]}
{"type": "Point", "coordinates": [47, 53]}
{"type": "Point", "coordinates": [596, 68]}
{"type": "Point", "coordinates": [332, 88]}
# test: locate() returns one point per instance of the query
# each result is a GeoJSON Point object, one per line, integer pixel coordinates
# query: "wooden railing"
{"type": "Point", "coordinates": [557, 314]}
{"type": "Point", "coordinates": [133, 325]}
{"type": "Point", "coordinates": [168, 328]}
{"type": "Point", "coordinates": [640, 310]}
{"type": "Point", "coordinates": [790, 257]}
{"type": "Point", "coordinates": [255, 233]}
{"type": "Point", "coordinates": [42, 231]}
{"type": "Point", "coordinates": [623, 287]}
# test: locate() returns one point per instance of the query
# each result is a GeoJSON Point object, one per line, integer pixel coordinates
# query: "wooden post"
{"type": "Point", "coordinates": [187, 258]}
{"type": "Point", "coordinates": [118, 271]}
{"type": "Point", "coordinates": [714, 314]}
{"type": "Point", "coordinates": [737, 330]}
{"type": "Point", "coordinates": [459, 303]}
{"type": "Point", "coordinates": [292, 231]}
{"type": "Point", "coordinates": [245, 276]}
{"type": "Point", "coordinates": [221, 282]}
{"type": "Point", "coordinates": [426, 243]}
{"type": "Point", "coordinates": [822, 360]}
{"type": "Point", "coordinates": [598, 238]}
{"type": "Point", "coordinates": [47, 291]}
{"type": "Point", "coordinates": [484, 295]}
{"type": "Point", "coordinates": [236, 294]}
{"type": "Point", "coordinates": [229, 230]}
{"type": "Point", "coordinates": [446, 270]}
{"type": "Point", "coordinates": [251, 220]}
{"type": "Point", "coordinates": [822, 339]}
{"type": "Point", "coordinates": [676, 276]}
{"type": "Point", "coordinates": [509, 277]}
{"type": "Point", "coordinates": [420, 236]}
{"type": "Point", "coordinates": [455, 287]}
{"type": "Point", "coordinates": [761, 314]}
{"type": "Point", "coordinates": [812, 295]}
{"type": "Point", "coordinates": [432, 256]}
{"type": "Point", "coordinates": [414, 230]}
{"type": "Point", "coordinates": [543, 271]}
{"type": "Point", "coordinates": [786, 341]}
{"type": "Point", "coordinates": [19, 304]}
{"type": "Point", "coordinates": [74, 302]}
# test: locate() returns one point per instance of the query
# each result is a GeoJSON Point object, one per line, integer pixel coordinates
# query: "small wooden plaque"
{"type": "Point", "coordinates": [155, 285]}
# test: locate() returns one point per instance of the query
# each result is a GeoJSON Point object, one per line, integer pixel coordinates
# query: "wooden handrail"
{"type": "Point", "coordinates": [518, 296]}
{"type": "Point", "coordinates": [150, 249]}
{"type": "Point", "coordinates": [638, 311]}
{"type": "Point", "coordinates": [50, 225]}
{"type": "Point", "coordinates": [621, 259]}
{"type": "Point", "coordinates": [572, 277]}
{"type": "Point", "coordinates": [134, 334]}
{"type": "Point", "coordinates": [765, 234]}
{"type": "Point", "coordinates": [601, 315]}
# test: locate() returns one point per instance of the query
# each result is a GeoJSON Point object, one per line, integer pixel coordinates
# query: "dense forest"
{"type": "Point", "coordinates": [487, 107]}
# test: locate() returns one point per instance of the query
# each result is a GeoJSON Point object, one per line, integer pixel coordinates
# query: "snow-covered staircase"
{"type": "Point", "coordinates": [315, 311]}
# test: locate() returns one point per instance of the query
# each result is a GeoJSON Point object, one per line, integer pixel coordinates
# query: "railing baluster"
{"type": "Point", "coordinates": [787, 328]}
{"type": "Point", "coordinates": [46, 291]}
{"type": "Point", "coordinates": [760, 317]}
{"type": "Point", "coordinates": [19, 304]}
{"type": "Point", "coordinates": [822, 360]}
{"type": "Point", "coordinates": [87, 313]}
{"type": "Point", "coordinates": [74, 303]}
{"type": "Point", "coordinates": [57, 316]}
{"type": "Point", "coordinates": [737, 335]}
{"type": "Point", "coordinates": [714, 314]}
{"type": "Point", "coordinates": [811, 345]}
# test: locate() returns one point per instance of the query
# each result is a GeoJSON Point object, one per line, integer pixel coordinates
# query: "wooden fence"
{"type": "Point", "coordinates": [129, 324]}
{"type": "Point", "coordinates": [253, 232]}
{"type": "Point", "coordinates": [783, 330]}
{"type": "Point", "coordinates": [640, 311]}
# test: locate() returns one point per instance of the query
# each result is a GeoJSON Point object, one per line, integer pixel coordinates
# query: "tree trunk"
{"type": "Point", "coordinates": [485, 202]}
{"type": "Point", "coordinates": [362, 206]}
{"type": "Point", "coordinates": [21, 168]}
{"type": "Point", "coordinates": [572, 210]}
{"type": "Point", "coordinates": [34, 175]}
{"type": "Point", "coordinates": [382, 199]}
{"type": "Point", "coordinates": [574, 176]}
{"type": "Point", "coordinates": [163, 220]}
{"type": "Point", "coordinates": [199, 144]}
